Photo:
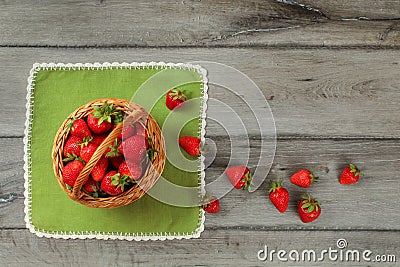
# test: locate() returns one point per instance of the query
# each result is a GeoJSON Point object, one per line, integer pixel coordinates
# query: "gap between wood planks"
{"type": "Point", "coordinates": [190, 46]}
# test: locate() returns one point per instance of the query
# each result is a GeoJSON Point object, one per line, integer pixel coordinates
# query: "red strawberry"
{"type": "Point", "coordinates": [211, 205]}
{"type": "Point", "coordinates": [175, 99]}
{"type": "Point", "coordinates": [100, 169]}
{"type": "Point", "coordinates": [71, 171]}
{"type": "Point", "coordinates": [140, 130]}
{"type": "Point", "coordinates": [79, 128]}
{"type": "Point", "coordinates": [240, 177]}
{"type": "Point", "coordinates": [98, 139]}
{"type": "Point", "coordinates": [116, 161]}
{"type": "Point", "coordinates": [127, 132]}
{"type": "Point", "coordinates": [190, 144]}
{"type": "Point", "coordinates": [113, 150]}
{"type": "Point", "coordinates": [134, 171]}
{"type": "Point", "coordinates": [72, 146]}
{"type": "Point", "coordinates": [87, 151]}
{"type": "Point", "coordinates": [96, 126]}
{"type": "Point", "coordinates": [113, 183]}
{"type": "Point", "coordinates": [350, 175]}
{"type": "Point", "coordinates": [90, 186]}
{"type": "Point", "coordinates": [134, 149]}
{"type": "Point", "coordinates": [309, 209]}
{"type": "Point", "coordinates": [279, 196]}
{"type": "Point", "coordinates": [303, 178]}
{"type": "Point", "coordinates": [100, 120]}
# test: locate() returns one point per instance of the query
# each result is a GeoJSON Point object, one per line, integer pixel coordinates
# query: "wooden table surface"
{"type": "Point", "coordinates": [329, 69]}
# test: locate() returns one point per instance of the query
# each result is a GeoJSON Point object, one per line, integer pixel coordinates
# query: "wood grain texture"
{"type": "Point", "coordinates": [344, 207]}
{"type": "Point", "coordinates": [199, 23]}
{"type": "Point", "coordinates": [215, 248]}
{"type": "Point", "coordinates": [316, 92]}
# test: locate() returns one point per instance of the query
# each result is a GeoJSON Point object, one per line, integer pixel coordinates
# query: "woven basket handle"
{"type": "Point", "coordinates": [131, 118]}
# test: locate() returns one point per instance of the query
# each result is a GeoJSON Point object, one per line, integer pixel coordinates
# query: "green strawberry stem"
{"type": "Point", "coordinates": [114, 150]}
{"type": "Point", "coordinates": [106, 112]}
{"type": "Point", "coordinates": [275, 185]}
{"type": "Point", "coordinates": [354, 170]}
{"type": "Point", "coordinates": [120, 181]}
{"type": "Point", "coordinates": [247, 180]}
{"type": "Point", "coordinates": [310, 204]}
{"type": "Point", "coordinates": [178, 94]}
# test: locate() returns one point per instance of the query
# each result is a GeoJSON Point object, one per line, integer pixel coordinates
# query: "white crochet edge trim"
{"type": "Point", "coordinates": [27, 145]}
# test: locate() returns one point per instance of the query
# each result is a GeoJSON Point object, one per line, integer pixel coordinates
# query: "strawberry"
{"type": "Point", "coordinates": [90, 186]}
{"type": "Point", "coordinates": [100, 120]}
{"type": "Point", "coordinates": [134, 149]}
{"type": "Point", "coordinates": [97, 126]}
{"type": "Point", "coordinates": [116, 161]}
{"type": "Point", "coordinates": [309, 209]}
{"type": "Point", "coordinates": [79, 128]}
{"type": "Point", "coordinates": [113, 150]}
{"type": "Point", "coordinates": [240, 177]}
{"type": "Point", "coordinates": [190, 144]}
{"type": "Point", "coordinates": [87, 151]}
{"type": "Point", "coordinates": [71, 171]}
{"type": "Point", "coordinates": [134, 171]}
{"type": "Point", "coordinates": [211, 204]}
{"type": "Point", "coordinates": [127, 132]}
{"type": "Point", "coordinates": [98, 139]}
{"type": "Point", "coordinates": [350, 175]}
{"type": "Point", "coordinates": [114, 184]}
{"type": "Point", "coordinates": [175, 99]}
{"type": "Point", "coordinates": [303, 178]}
{"type": "Point", "coordinates": [279, 196]}
{"type": "Point", "coordinates": [72, 147]}
{"type": "Point", "coordinates": [100, 169]}
{"type": "Point", "coordinates": [140, 130]}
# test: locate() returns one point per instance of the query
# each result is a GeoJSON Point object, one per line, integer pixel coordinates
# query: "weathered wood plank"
{"type": "Point", "coordinates": [344, 207]}
{"type": "Point", "coordinates": [198, 23]}
{"type": "Point", "coordinates": [318, 92]}
{"type": "Point", "coordinates": [341, 9]}
{"type": "Point", "coordinates": [215, 248]}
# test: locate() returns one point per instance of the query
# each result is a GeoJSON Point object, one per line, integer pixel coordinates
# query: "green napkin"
{"type": "Point", "coordinates": [56, 91]}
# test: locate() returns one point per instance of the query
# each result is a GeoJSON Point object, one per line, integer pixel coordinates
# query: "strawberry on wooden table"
{"type": "Point", "coordinates": [239, 176]}
{"type": "Point", "coordinates": [175, 99]}
{"type": "Point", "coordinates": [303, 178]}
{"type": "Point", "coordinates": [71, 171]}
{"type": "Point", "coordinates": [72, 146]}
{"type": "Point", "coordinates": [211, 204]}
{"type": "Point", "coordinates": [350, 175]}
{"type": "Point", "coordinates": [279, 196]}
{"type": "Point", "coordinates": [114, 184]}
{"type": "Point", "coordinates": [191, 144]}
{"type": "Point", "coordinates": [309, 209]}
{"type": "Point", "coordinates": [79, 128]}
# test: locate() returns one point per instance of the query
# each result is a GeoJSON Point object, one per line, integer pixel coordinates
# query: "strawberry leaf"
{"type": "Point", "coordinates": [306, 205]}
{"type": "Point", "coordinates": [311, 208]}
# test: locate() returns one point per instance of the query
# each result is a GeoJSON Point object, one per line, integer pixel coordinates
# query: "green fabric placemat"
{"type": "Point", "coordinates": [55, 93]}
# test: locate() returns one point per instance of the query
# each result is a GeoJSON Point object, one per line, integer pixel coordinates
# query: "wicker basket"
{"type": "Point", "coordinates": [134, 113]}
